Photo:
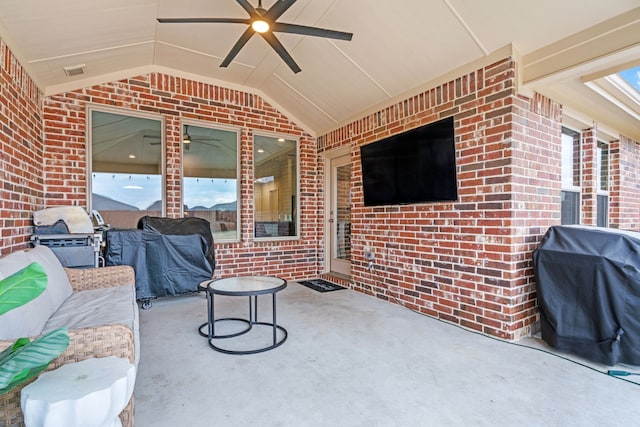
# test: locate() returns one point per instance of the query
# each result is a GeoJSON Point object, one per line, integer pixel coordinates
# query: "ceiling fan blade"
{"type": "Point", "coordinates": [280, 50]}
{"type": "Point", "coordinates": [244, 38]}
{"type": "Point", "coordinates": [205, 139]}
{"type": "Point", "coordinates": [203, 20]}
{"type": "Point", "coordinates": [278, 8]}
{"type": "Point", "coordinates": [247, 6]}
{"type": "Point", "coordinates": [310, 31]}
{"type": "Point", "coordinates": [204, 142]}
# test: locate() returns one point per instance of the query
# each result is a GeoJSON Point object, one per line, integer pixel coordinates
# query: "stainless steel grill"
{"type": "Point", "coordinates": [69, 233]}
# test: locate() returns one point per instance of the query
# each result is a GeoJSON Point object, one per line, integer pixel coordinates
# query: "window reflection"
{"type": "Point", "coordinates": [275, 186]}
{"type": "Point", "coordinates": [126, 167]}
{"type": "Point", "coordinates": [602, 162]}
{"type": "Point", "coordinates": [343, 212]}
{"type": "Point", "coordinates": [570, 207]}
{"type": "Point", "coordinates": [210, 183]}
{"type": "Point", "coordinates": [602, 198]}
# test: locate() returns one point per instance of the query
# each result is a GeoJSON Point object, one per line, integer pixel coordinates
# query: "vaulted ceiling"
{"type": "Point", "coordinates": [564, 48]}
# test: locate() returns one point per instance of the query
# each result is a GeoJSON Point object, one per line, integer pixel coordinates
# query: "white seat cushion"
{"type": "Point", "coordinates": [97, 307]}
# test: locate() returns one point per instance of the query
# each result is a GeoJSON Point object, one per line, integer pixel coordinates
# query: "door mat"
{"type": "Point", "coordinates": [320, 285]}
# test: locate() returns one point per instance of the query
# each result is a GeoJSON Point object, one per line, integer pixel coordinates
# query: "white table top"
{"type": "Point", "coordinates": [88, 393]}
{"type": "Point", "coordinates": [75, 380]}
{"type": "Point", "coordinates": [246, 285]}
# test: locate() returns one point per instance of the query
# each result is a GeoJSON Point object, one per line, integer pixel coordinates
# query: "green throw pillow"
{"type": "Point", "coordinates": [22, 287]}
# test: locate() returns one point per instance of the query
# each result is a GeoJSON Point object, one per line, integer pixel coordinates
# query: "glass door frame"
{"type": "Point", "coordinates": [330, 159]}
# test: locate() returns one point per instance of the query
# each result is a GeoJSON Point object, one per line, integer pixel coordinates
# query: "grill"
{"type": "Point", "coordinates": [69, 233]}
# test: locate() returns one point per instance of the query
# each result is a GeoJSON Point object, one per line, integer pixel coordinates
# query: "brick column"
{"type": "Point", "coordinates": [624, 179]}
{"type": "Point", "coordinates": [535, 192]}
{"type": "Point", "coordinates": [589, 181]}
{"type": "Point", "coordinates": [173, 195]}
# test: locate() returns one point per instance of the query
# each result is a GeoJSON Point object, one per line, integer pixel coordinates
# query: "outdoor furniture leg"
{"type": "Point", "coordinates": [273, 309]}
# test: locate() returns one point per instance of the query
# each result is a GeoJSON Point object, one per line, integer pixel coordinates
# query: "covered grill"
{"type": "Point", "coordinates": [588, 283]}
{"type": "Point", "coordinates": [68, 231]}
{"type": "Point", "coordinates": [169, 256]}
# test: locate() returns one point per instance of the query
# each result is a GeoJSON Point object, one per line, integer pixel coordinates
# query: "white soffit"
{"type": "Point", "coordinates": [617, 91]}
{"type": "Point", "coordinates": [577, 72]}
{"type": "Point", "coordinates": [397, 48]}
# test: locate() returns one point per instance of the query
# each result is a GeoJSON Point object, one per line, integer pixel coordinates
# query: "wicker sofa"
{"type": "Point", "coordinates": [98, 305]}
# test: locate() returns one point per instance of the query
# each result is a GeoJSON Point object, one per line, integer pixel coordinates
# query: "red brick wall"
{"type": "Point", "coordinates": [535, 205]}
{"type": "Point", "coordinates": [21, 151]}
{"type": "Point", "coordinates": [468, 262]}
{"type": "Point", "coordinates": [177, 99]}
{"type": "Point", "coordinates": [589, 181]}
{"type": "Point", "coordinates": [624, 192]}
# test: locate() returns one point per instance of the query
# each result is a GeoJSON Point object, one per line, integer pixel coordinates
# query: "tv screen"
{"type": "Point", "coordinates": [416, 166]}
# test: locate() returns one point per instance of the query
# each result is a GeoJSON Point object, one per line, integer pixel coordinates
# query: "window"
{"type": "Point", "coordinates": [126, 167]}
{"type": "Point", "coordinates": [210, 178]}
{"type": "Point", "coordinates": [602, 160]}
{"type": "Point", "coordinates": [602, 219]}
{"type": "Point", "coordinates": [570, 208]}
{"type": "Point", "coordinates": [275, 187]}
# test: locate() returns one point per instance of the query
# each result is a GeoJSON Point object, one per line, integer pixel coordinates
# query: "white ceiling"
{"type": "Point", "coordinates": [397, 48]}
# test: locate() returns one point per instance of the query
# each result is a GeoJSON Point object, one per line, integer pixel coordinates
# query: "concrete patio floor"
{"type": "Point", "coordinates": [352, 360]}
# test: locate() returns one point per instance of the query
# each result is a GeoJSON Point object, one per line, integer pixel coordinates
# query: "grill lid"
{"type": "Point", "coordinates": [75, 217]}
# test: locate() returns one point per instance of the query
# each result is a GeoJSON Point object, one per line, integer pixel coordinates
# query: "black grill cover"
{"type": "Point", "coordinates": [169, 257]}
{"type": "Point", "coordinates": [588, 282]}
{"type": "Point", "coordinates": [180, 227]}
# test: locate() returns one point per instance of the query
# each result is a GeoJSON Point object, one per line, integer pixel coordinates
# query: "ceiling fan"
{"type": "Point", "coordinates": [264, 22]}
{"type": "Point", "coordinates": [187, 139]}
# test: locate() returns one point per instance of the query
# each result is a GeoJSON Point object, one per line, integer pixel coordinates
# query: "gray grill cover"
{"type": "Point", "coordinates": [588, 282]}
{"type": "Point", "coordinates": [169, 256]}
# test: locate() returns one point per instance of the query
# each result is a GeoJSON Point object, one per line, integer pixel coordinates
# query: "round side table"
{"type": "Point", "coordinates": [252, 287]}
{"type": "Point", "coordinates": [90, 393]}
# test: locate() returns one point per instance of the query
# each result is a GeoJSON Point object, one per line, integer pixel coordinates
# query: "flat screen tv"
{"type": "Point", "coordinates": [415, 166]}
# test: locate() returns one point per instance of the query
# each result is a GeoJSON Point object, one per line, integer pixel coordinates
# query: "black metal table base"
{"type": "Point", "coordinates": [225, 319]}
{"type": "Point", "coordinates": [277, 338]}
{"type": "Point", "coordinates": [275, 344]}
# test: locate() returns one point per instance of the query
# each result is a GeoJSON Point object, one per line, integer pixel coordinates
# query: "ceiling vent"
{"type": "Point", "coordinates": [75, 70]}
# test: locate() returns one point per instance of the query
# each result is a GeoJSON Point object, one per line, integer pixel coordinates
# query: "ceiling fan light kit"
{"type": "Point", "coordinates": [264, 22]}
{"type": "Point", "coordinates": [260, 26]}
{"type": "Point", "coordinates": [186, 139]}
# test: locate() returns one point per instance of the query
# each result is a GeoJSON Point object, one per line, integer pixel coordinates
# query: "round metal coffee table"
{"type": "Point", "coordinates": [251, 286]}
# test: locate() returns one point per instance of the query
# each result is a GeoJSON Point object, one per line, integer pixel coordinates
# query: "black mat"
{"type": "Point", "coordinates": [320, 285]}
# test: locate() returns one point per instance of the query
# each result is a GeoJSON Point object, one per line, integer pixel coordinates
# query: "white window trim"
{"type": "Point", "coordinates": [90, 108]}
{"type": "Point", "coordinates": [599, 191]}
{"type": "Point", "coordinates": [297, 207]}
{"type": "Point", "coordinates": [573, 188]}
{"type": "Point", "coordinates": [238, 132]}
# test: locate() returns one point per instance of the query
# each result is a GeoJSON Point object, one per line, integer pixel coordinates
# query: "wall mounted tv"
{"type": "Point", "coordinates": [415, 166]}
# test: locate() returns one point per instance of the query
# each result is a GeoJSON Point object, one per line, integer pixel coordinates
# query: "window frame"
{"type": "Point", "coordinates": [600, 193]}
{"type": "Point", "coordinates": [90, 108]}
{"type": "Point", "coordinates": [296, 207]}
{"type": "Point", "coordinates": [599, 162]}
{"type": "Point", "coordinates": [574, 189]}
{"type": "Point", "coordinates": [225, 128]}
